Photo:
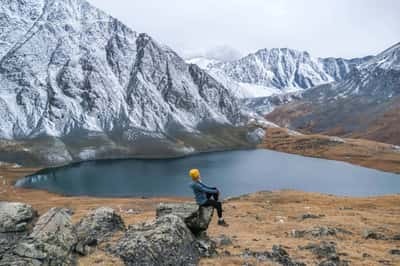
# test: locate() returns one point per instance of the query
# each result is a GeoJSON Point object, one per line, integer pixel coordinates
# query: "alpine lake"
{"type": "Point", "coordinates": [233, 172]}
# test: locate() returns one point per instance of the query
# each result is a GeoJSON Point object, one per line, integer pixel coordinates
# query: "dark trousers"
{"type": "Point", "coordinates": [214, 203]}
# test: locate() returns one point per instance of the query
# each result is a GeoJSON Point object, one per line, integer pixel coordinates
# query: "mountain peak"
{"type": "Point", "coordinates": [388, 59]}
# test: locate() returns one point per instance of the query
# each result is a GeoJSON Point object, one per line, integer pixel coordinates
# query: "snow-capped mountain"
{"type": "Point", "coordinates": [203, 62]}
{"type": "Point", "coordinates": [69, 70]}
{"type": "Point", "coordinates": [277, 71]}
{"type": "Point", "coordinates": [366, 103]}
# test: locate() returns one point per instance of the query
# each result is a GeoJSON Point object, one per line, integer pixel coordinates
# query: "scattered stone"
{"type": "Point", "coordinates": [396, 237]}
{"type": "Point", "coordinates": [226, 253]}
{"type": "Point", "coordinates": [395, 252]}
{"type": "Point", "coordinates": [278, 255]}
{"type": "Point", "coordinates": [222, 240]}
{"type": "Point", "coordinates": [166, 241]}
{"type": "Point", "coordinates": [311, 216]}
{"type": "Point", "coordinates": [97, 226]}
{"type": "Point", "coordinates": [322, 250]}
{"type": "Point", "coordinates": [206, 246]}
{"type": "Point", "coordinates": [51, 242]}
{"type": "Point", "coordinates": [366, 255]}
{"type": "Point", "coordinates": [327, 251]}
{"type": "Point", "coordinates": [334, 262]}
{"type": "Point", "coordinates": [385, 262]}
{"type": "Point", "coordinates": [247, 264]}
{"type": "Point", "coordinates": [319, 231]}
{"type": "Point", "coordinates": [196, 218]}
{"type": "Point", "coordinates": [345, 208]}
{"type": "Point", "coordinates": [372, 234]}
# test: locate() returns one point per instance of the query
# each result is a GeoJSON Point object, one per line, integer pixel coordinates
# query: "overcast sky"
{"type": "Point", "coordinates": [224, 28]}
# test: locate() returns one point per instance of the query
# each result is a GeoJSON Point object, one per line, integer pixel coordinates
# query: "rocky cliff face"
{"type": "Point", "coordinates": [279, 70]}
{"type": "Point", "coordinates": [69, 71]}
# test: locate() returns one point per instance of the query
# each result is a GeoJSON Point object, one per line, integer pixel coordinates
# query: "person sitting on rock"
{"type": "Point", "coordinates": [206, 196]}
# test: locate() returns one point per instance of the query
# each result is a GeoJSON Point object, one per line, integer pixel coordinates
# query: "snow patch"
{"type": "Point", "coordinates": [87, 154]}
{"type": "Point", "coordinates": [337, 139]}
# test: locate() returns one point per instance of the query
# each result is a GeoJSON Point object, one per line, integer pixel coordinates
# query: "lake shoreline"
{"type": "Point", "coordinates": [365, 153]}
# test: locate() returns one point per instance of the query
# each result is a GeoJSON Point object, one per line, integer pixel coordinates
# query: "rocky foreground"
{"type": "Point", "coordinates": [267, 228]}
{"type": "Point", "coordinates": [178, 236]}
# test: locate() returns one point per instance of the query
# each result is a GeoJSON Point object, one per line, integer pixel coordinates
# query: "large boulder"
{"type": "Point", "coordinates": [51, 242]}
{"type": "Point", "coordinates": [97, 226]}
{"type": "Point", "coordinates": [16, 221]}
{"type": "Point", "coordinates": [15, 217]}
{"type": "Point", "coordinates": [166, 241]}
{"type": "Point", "coordinates": [196, 218]}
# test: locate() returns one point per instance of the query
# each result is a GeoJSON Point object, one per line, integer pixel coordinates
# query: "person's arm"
{"type": "Point", "coordinates": [205, 188]}
{"type": "Point", "coordinates": [204, 185]}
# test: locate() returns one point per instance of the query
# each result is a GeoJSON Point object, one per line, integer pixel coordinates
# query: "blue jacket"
{"type": "Point", "coordinates": [200, 190]}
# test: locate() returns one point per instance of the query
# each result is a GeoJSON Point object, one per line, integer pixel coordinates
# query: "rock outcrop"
{"type": "Point", "coordinates": [54, 240]}
{"type": "Point", "coordinates": [15, 217]}
{"type": "Point", "coordinates": [15, 223]}
{"type": "Point", "coordinates": [50, 243]}
{"type": "Point", "coordinates": [196, 218]}
{"type": "Point", "coordinates": [166, 241]}
{"type": "Point", "coordinates": [95, 227]}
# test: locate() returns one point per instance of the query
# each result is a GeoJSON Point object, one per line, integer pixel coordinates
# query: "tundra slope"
{"type": "Point", "coordinates": [78, 84]}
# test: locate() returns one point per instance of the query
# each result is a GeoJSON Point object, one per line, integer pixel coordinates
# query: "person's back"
{"type": "Point", "coordinates": [203, 195]}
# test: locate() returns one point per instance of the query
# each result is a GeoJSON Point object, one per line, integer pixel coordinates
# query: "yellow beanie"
{"type": "Point", "coordinates": [195, 174]}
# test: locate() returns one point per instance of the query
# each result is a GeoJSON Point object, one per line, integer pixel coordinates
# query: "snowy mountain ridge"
{"type": "Point", "coordinates": [364, 104]}
{"type": "Point", "coordinates": [279, 70]}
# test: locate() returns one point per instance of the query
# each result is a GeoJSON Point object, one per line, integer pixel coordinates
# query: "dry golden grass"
{"type": "Point", "coordinates": [260, 220]}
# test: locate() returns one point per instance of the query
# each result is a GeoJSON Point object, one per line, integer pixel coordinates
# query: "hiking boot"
{"type": "Point", "coordinates": [222, 223]}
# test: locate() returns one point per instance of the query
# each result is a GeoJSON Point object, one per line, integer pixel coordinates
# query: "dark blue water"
{"type": "Point", "coordinates": [234, 172]}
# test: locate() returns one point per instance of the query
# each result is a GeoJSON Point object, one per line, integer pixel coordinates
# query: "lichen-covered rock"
{"type": "Point", "coordinates": [16, 220]}
{"type": "Point", "coordinates": [196, 218]}
{"type": "Point", "coordinates": [206, 246]}
{"type": "Point", "coordinates": [278, 255]}
{"type": "Point", "coordinates": [51, 242]}
{"type": "Point", "coordinates": [166, 241]}
{"type": "Point", "coordinates": [323, 249]}
{"type": "Point", "coordinates": [326, 251]}
{"type": "Point", "coordinates": [95, 227]}
{"type": "Point", "coordinates": [15, 217]}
